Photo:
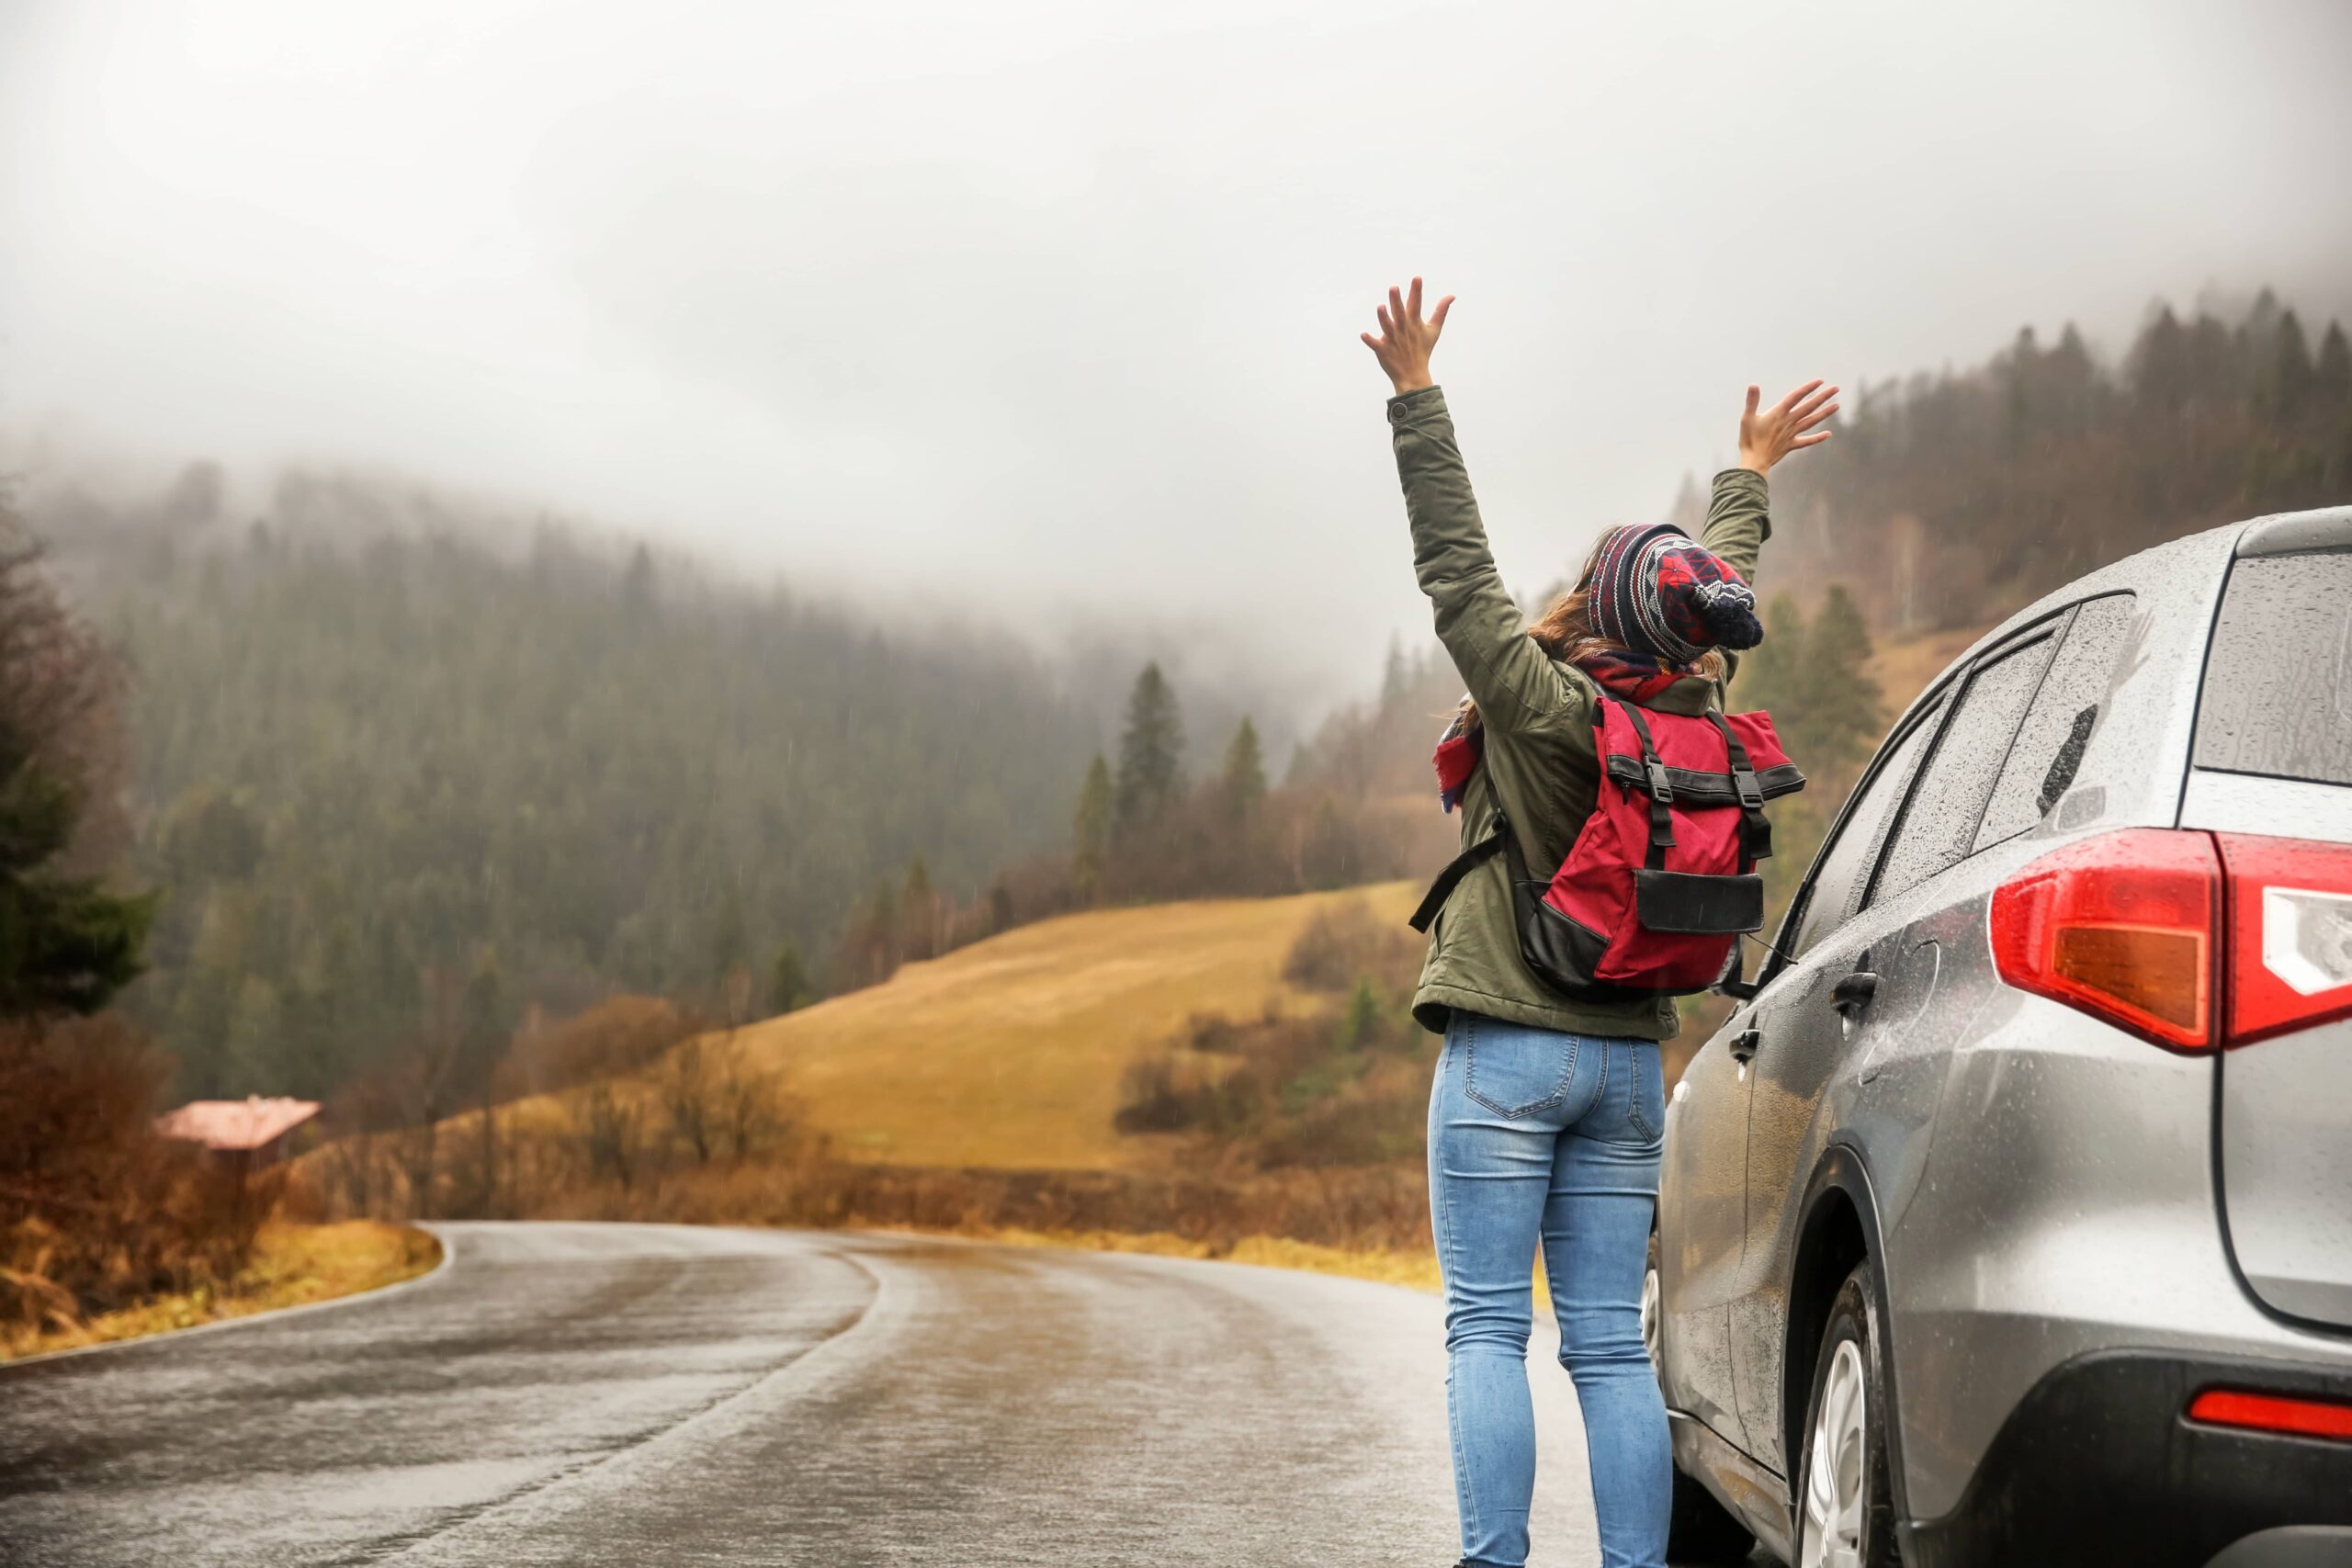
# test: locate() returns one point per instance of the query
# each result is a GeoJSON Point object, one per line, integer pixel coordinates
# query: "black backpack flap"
{"type": "Point", "coordinates": [1696, 787]}
{"type": "Point", "coordinates": [1693, 904]}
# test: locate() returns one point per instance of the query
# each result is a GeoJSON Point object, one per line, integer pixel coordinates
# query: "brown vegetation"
{"type": "Point", "coordinates": [96, 1210]}
{"type": "Point", "coordinates": [292, 1265]}
{"type": "Point", "coordinates": [1308, 1128]}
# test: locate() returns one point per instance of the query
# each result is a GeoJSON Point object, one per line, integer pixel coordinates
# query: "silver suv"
{"type": "Point", "coordinates": [2009, 1218]}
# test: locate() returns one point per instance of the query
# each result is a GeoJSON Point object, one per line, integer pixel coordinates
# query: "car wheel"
{"type": "Point", "coordinates": [1698, 1530]}
{"type": "Point", "coordinates": [1845, 1509]}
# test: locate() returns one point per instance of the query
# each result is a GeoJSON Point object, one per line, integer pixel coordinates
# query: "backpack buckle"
{"type": "Point", "coordinates": [1661, 789]}
{"type": "Point", "coordinates": [1751, 794]}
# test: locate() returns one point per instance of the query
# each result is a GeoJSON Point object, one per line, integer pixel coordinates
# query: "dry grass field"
{"type": "Point", "coordinates": [1008, 1054]}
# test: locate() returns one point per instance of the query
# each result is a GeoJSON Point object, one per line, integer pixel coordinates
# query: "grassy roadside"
{"type": "Point", "coordinates": [1415, 1271]}
{"type": "Point", "coordinates": [292, 1266]}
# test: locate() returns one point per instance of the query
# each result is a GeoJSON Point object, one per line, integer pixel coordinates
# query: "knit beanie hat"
{"type": "Point", "coordinates": [1655, 590]}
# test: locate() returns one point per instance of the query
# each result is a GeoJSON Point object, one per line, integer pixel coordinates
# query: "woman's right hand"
{"type": "Point", "coordinates": [1405, 342]}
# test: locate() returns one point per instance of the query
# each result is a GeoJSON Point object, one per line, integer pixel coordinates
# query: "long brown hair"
{"type": "Point", "coordinates": [1566, 634]}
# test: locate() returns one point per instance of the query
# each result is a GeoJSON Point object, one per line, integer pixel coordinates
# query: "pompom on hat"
{"type": "Point", "coordinates": [1657, 591]}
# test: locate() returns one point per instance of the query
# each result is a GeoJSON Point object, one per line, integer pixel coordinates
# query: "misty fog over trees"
{"type": "Point", "coordinates": [368, 776]}
{"type": "Point", "coordinates": [396, 785]}
{"type": "Point", "coordinates": [1947, 500]}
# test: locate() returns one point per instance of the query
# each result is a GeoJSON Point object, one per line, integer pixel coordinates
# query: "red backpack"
{"type": "Point", "coordinates": [1660, 881]}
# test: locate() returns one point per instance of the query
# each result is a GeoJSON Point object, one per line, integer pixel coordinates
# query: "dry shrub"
{"type": "Point", "coordinates": [1362, 1209]}
{"type": "Point", "coordinates": [1348, 942]}
{"type": "Point", "coordinates": [602, 1151]}
{"type": "Point", "coordinates": [1344, 1087]}
{"type": "Point", "coordinates": [97, 1209]}
{"type": "Point", "coordinates": [1161, 1092]}
{"type": "Point", "coordinates": [617, 1035]}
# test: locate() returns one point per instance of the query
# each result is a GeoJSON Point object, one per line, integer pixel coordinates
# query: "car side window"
{"type": "Point", "coordinates": [1938, 827]}
{"type": "Point", "coordinates": [2057, 728]}
{"type": "Point", "coordinates": [1838, 873]}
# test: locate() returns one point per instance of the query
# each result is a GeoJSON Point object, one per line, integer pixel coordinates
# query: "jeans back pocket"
{"type": "Point", "coordinates": [1514, 1070]}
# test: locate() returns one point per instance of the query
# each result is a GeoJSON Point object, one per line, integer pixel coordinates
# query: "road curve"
{"type": "Point", "coordinates": [577, 1393]}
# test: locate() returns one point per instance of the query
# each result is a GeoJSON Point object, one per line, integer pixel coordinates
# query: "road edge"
{"type": "Point", "coordinates": [448, 1258]}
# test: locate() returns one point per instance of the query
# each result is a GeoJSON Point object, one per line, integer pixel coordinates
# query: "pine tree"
{"type": "Point", "coordinates": [1091, 829]}
{"type": "Point", "coordinates": [729, 940]}
{"type": "Point", "coordinates": [1843, 709]}
{"type": "Point", "coordinates": [636, 582]}
{"type": "Point", "coordinates": [1151, 755]}
{"type": "Point", "coordinates": [788, 988]}
{"type": "Point", "coordinates": [1396, 678]}
{"type": "Point", "coordinates": [918, 914]}
{"type": "Point", "coordinates": [2332, 375]}
{"type": "Point", "coordinates": [483, 1027]}
{"type": "Point", "coordinates": [1244, 784]}
{"type": "Point", "coordinates": [1362, 1025]}
{"type": "Point", "coordinates": [2160, 363]}
{"type": "Point", "coordinates": [1766, 675]}
{"type": "Point", "coordinates": [66, 944]}
{"type": "Point", "coordinates": [2292, 374]}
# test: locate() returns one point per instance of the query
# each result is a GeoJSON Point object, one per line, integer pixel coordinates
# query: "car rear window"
{"type": "Point", "coordinates": [2057, 728]}
{"type": "Point", "coordinates": [2277, 696]}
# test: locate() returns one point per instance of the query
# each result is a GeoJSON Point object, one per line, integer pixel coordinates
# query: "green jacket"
{"type": "Point", "coordinates": [1539, 763]}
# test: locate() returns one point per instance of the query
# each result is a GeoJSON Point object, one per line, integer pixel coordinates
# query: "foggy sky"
{"type": "Point", "coordinates": [1032, 307]}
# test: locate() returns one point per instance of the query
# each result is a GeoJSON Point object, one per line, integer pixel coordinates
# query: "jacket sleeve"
{"type": "Point", "coordinates": [1511, 678]}
{"type": "Point", "coordinates": [1738, 521]}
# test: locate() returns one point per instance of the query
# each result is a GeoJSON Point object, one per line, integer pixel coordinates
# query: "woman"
{"type": "Point", "coordinates": [1546, 1115]}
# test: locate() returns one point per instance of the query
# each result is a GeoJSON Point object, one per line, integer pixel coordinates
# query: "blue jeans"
{"type": "Point", "coordinates": [1534, 1133]}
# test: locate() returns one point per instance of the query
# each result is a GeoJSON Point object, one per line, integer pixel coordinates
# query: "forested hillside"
{"type": "Point", "coordinates": [402, 772]}
{"type": "Point", "coordinates": [1949, 499]}
{"type": "Point", "coordinates": [395, 791]}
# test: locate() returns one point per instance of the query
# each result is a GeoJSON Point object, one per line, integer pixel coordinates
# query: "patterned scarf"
{"type": "Point", "coordinates": [1636, 677]}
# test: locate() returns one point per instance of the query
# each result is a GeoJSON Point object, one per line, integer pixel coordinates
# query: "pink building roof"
{"type": "Point", "coordinates": [236, 1123]}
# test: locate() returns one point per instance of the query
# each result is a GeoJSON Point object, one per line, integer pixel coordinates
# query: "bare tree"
{"type": "Point", "coordinates": [750, 1110]}
{"type": "Point", "coordinates": [611, 1130]}
{"type": "Point", "coordinates": [689, 1095]}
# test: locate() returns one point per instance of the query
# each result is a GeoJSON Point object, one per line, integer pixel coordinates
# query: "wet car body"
{"type": "Point", "coordinates": [2074, 1231]}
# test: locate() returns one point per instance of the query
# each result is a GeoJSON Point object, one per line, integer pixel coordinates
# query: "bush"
{"type": "Point", "coordinates": [1347, 943]}
{"type": "Point", "coordinates": [97, 1209]}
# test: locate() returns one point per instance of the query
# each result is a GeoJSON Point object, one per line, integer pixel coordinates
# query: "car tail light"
{"type": "Point", "coordinates": [2125, 925]}
{"type": "Point", "coordinates": [2290, 934]}
{"type": "Point", "coordinates": [2273, 1413]}
{"type": "Point", "coordinates": [2121, 925]}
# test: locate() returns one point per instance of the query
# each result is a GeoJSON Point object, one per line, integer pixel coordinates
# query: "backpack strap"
{"type": "Point", "coordinates": [1455, 870]}
{"type": "Point", "coordinates": [1661, 789]}
{"type": "Point", "coordinates": [1756, 829]}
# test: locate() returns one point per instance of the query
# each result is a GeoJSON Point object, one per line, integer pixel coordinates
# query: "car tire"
{"type": "Point", "coordinates": [1698, 1530]}
{"type": "Point", "coordinates": [1845, 1507]}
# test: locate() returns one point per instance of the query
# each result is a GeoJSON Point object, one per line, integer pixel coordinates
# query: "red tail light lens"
{"type": "Point", "coordinates": [2290, 934]}
{"type": "Point", "coordinates": [2273, 1413]}
{"type": "Point", "coordinates": [2122, 927]}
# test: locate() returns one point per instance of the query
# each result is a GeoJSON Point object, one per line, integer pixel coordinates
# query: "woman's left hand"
{"type": "Point", "coordinates": [1787, 426]}
{"type": "Point", "coordinates": [1406, 341]}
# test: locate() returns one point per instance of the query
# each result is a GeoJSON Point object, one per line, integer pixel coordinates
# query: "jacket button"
{"type": "Point", "coordinates": [1396, 413]}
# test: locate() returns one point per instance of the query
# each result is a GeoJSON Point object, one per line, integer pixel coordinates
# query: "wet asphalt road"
{"type": "Point", "coordinates": [595, 1393]}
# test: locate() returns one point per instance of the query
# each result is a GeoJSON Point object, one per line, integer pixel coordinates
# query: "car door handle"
{"type": "Point", "coordinates": [1853, 993]}
{"type": "Point", "coordinates": [1742, 1045]}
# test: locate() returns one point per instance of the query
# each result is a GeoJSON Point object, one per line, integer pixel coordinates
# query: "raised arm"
{"type": "Point", "coordinates": [1739, 520]}
{"type": "Point", "coordinates": [1508, 676]}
